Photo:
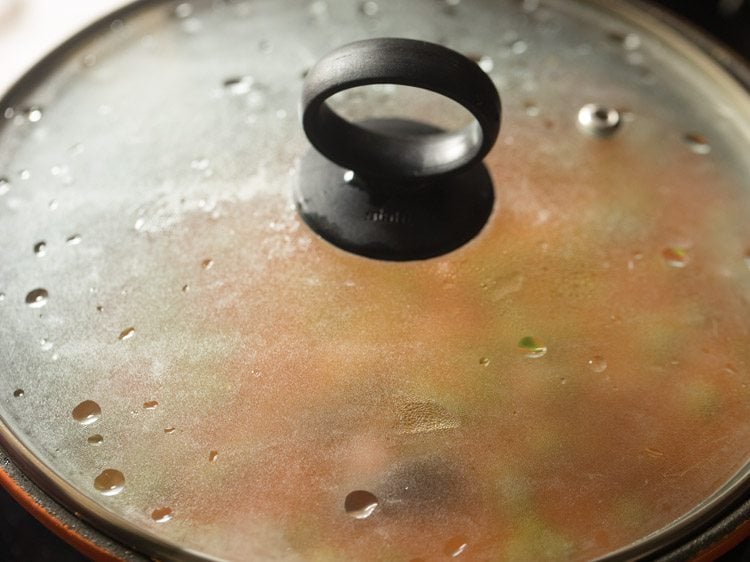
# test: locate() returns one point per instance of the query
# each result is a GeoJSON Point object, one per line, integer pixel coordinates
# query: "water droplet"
{"type": "Point", "coordinates": [533, 347]}
{"type": "Point", "coordinates": [631, 42]}
{"type": "Point", "coordinates": [597, 364]}
{"type": "Point", "coordinates": [73, 240]}
{"type": "Point", "coordinates": [89, 60]}
{"type": "Point", "coordinates": [40, 248]}
{"type": "Point", "coordinates": [162, 514]}
{"type": "Point", "coordinates": [95, 439]}
{"type": "Point", "coordinates": [486, 63]}
{"type": "Point", "coordinates": [24, 174]}
{"type": "Point", "coordinates": [33, 113]}
{"type": "Point", "coordinates": [349, 176]}
{"type": "Point", "coordinates": [18, 393]}
{"type": "Point", "coordinates": [239, 85]}
{"type": "Point", "coordinates": [4, 186]}
{"type": "Point", "coordinates": [110, 482]}
{"type": "Point", "coordinates": [127, 333]}
{"type": "Point", "coordinates": [184, 10]}
{"type": "Point", "coordinates": [532, 110]}
{"type": "Point", "coordinates": [484, 361]}
{"type": "Point", "coordinates": [598, 120]}
{"type": "Point", "coordinates": [676, 256]}
{"type": "Point", "coordinates": [87, 412]}
{"type": "Point", "coordinates": [360, 504]}
{"type": "Point", "coordinates": [369, 8]}
{"type": "Point", "coordinates": [519, 47]}
{"type": "Point", "coordinates": [208, 263]}
{"type": "Point", "coordinates": [150, 405]}
{"type": "Point", "coordinates": [455, 546]}
{"type": "Point", "coordinates": [185, 288]}
{"type": "Point", "coordinates": [169, 430]}
{"type": "Point", "coordinates": [99, 308]}
{"type": "Point", "coordinates": [9, 113]}
{"type": "Point", "coordinates": [318, 9]}
{"type": "Point", "coordinates": [697, 143]}
{"type": "Point", "coordinates": [45, 344]}
{"type": "Point", "coordinates": [265, 46]}
{"type": "Point", "coordinates": [213, 456]}
{"type": "Point", "coordinates": [117, 25]}
{"type": "Point", "coordinates": [37, 298]}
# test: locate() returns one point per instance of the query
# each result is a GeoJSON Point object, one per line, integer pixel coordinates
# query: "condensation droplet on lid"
{"type": "Point", "coordinates": [191, 25]}
{"type": "Point", "coordinates": [185, 288]}
{"type": "Point", "coordinates": [532, 109]}
{"type": "Point", "coordinates": [37, 298]}
{"type": "Point", "coordinates": [40, 248]}
{"type": "Point", "coordinates": [318, 8]}
{"type": "Point", "coordinates": [89, 60]}
{"type": "Point", "coordinates": [99, 308]}
{"type": "Point", "coordinates": [534, 348]}
{"type": "Point", "coordinates": [597, 364]}
{"type": "Point", "coordinates": [265, 46]}
{"type": "Point", "coordinates": [95, 439]}
{"type": "Point", "coordinates": [33, 113]}
{"type": "Point", "coordinates": [117, 25]}
{"type": "Point", "coordinates": [150, 405]}
{"type": "Point", "coordinates": [208, 263]}
{"type": "Point", "coordinates": [484, 361]}
{"type": "Point", "coordinates": [24, 174]}
{"type": "Point", "coordinates": [349, 176]}
{"type": "Point", "coordinates": [87, 412]}
{"type": "Point", "coordinates": [73, 240]}
{"type": "Point", "coordinates": [676, 256]}
{"type": "Point", "coordinates": [183, 10]}
{"type": "Point", "coordinates": [598, 120]}
{"type": "Point", "coordinates": [213, 456]}
{"type": "Point", "coordinates": [169, 430]}
{"type": "Point", "coordinates": [697, 143]}
{"type": "Point", "coordinates": [369, 8]}
{"type": "Point", "coordinates": [45, 344]}
{"type": "Point", "coordinates": [4, 186]}
{"type": "Point", "coordinates": [2, 297]}
{"type": "Point", "coordinates": [239, 85]}
{"type": "Point", "coordinates": [110, 482]}
{"type": "Point", "coordinates": [631, 42]}
{"type": "Point", "coordinates": [360, 504]}
{"type": "Point", "coordinates": [519, 47]}
{"type": "Point", "coordinates": [455, 546]}
{"type": "Point", "coordinates": [9, 113]}
{"type": "Point", "coordinates": [127, 333]}
{"type": "Point", "coordinates": [162, 514]}
{"type": "Point", "coordinates": [484, 62]}
{"type": "Point", "coordinates": [18, 393]}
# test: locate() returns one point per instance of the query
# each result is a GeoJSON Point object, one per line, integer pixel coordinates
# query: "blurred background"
{"type": "Point", "coordinates": [22, 22]}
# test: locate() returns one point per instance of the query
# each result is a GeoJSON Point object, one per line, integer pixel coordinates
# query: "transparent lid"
{"type": "Point", "coordinates": [193, 370]}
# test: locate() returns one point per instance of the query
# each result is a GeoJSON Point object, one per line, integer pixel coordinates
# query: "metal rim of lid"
{"type": "Point", "coordinates": [717, 518]}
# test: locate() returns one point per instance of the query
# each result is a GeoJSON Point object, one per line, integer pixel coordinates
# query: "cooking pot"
{"type": "Point", "coordinates": [374, 332]}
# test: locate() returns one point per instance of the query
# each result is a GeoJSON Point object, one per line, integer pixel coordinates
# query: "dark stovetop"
{"type": "Point", "coordinates": [23, 539]}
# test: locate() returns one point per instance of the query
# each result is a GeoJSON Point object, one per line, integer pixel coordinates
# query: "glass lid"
{"type": "Point", "coordinates": [194, 370]}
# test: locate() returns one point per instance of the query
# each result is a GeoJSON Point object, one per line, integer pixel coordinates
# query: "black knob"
{"type": "Point", "coordinates": [392, 188]}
